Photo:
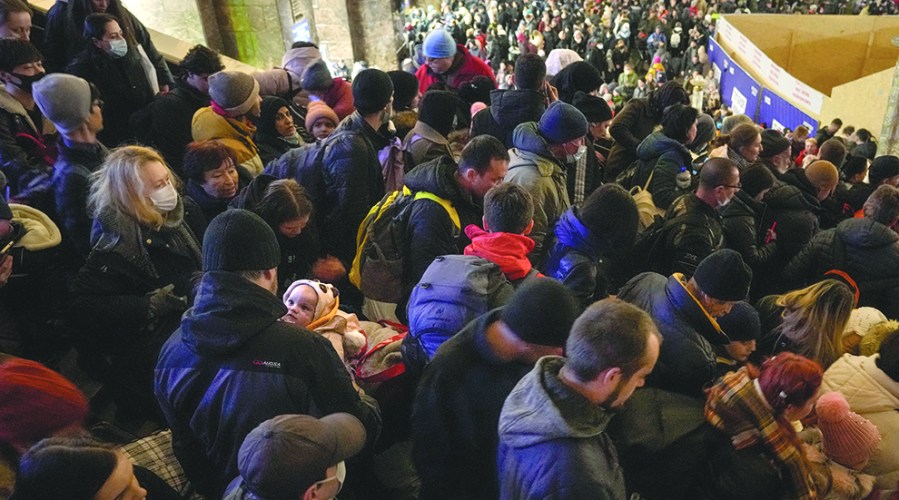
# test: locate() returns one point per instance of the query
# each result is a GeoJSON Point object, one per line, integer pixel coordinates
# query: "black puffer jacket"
{"type": "Point", "coordinates": [866, 249]}
{"type": "Point", "coordinates": [352, 184]}
{"type": "Point", "coordinates": [686, 359]}
{"type": "Point", "coordinates": [697, 234]}
{"type": "Point", "coordinates": [232, 365]}
{"type": "Point", "coordinates": [663, 157]}
{"type": "Point", "coordinates": [741, 220]}
{"type": "Point", "coordinates": [630, 127]}
{"type": "Point", "coordinates": [794, 207]}
{"type": "Point", "coordinates": [430, 232]}
{"type": "Point", "coordinates": [71, 181]}
{"type": "Point", "coordinates": [165, 123]}
{"type": "Point", "coordinates": [508, 109]}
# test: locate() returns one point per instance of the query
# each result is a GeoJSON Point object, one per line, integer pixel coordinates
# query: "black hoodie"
{"type": "Point", "coordinates": [233, 365]}
{"type": "Point", "coordinates": [508, 109]}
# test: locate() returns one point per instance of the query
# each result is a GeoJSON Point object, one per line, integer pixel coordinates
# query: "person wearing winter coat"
{"type": "Point", "coordinates": [276, 133]}
{"type": "Point", "coordinates": [552, 429]}
{"type": "Point", "coordinates": [432, 232]}
{"type": "Point", "coordinates": [510, 108]}
{"type": "Point", "coordinates": [883, 170]}
{"type": "Point", "coordinates": [605, 224]}
{"type": "Point", "coordinates": [538, 163]}
{"type": "Point", "coordinates": [27, 139]}
{"type": "Point", "coordinates": [286, 208]}
{"type": "Point", "coordinates": [694, 222]}
{"type": "Point", "coordinates": [867, 249]}
{"type": "Point", "coordinates": [508, 219]}
{"type": "Point", "coordinates": [754, 410]}
{"type": "Point", "coordinates": [794, 207]}
{"type": "Point", "coordinates": [73, 105]}
{"type": "Point", "coordinates": [684, 309]}
{"type": "Point", "coordinates": [229, 117]}
{"type": "Point", "coordinates": [743, 217]}
{"type": "Point", "coordinates": [134, 286]}
{"type": "Point", "coordinates": [449, 63]}
{"type": "Point", "coordinates": [436, 119]}
{"type": "Point", "coordinates": [353, 182]}
{"type": "Point", "coordinates": [664, 155]}
{"type": "Point", "coordinates": [165, 123]}
{"type": "Point", "coordinates": [213, 177]}
{"type": "Point", "coordinates": [63, 39]}
{"type": "Point", "coordinates": [337, 93]}
{"type": "Point", "coordinates": [586, 175]}
{"type": "Point", "coordinates": [871, 386]}
{"type": "Point", "coordinates": [232, 365]}
{"type": "Point", "coordinates": [455, 414]}
{"type": "Point", "coordinates": [111, 61]}
{"type": "Point", "coordinates": [636, 121]}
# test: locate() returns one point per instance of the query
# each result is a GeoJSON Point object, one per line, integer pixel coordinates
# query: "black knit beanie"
{"type": "Point", "coordinates": [596, 110]}
{"type": "Point", "coordinates": [239, 240]}
{"type": "Point", "coordinates": [372, 90]}
{"type": "Point", "coordinates": [724, 276]}
{"type": "Point", "coordinates": [438, 109]}
{"type": "Point", "coordinates": [541, 312]}
{"type": "Point", "coordinates": [477, 90]}
{"type": "Point", "coordinates": [756, 178]}
{"type": "Point", "coordinates": [577, 76]}
{"type": "Point", "coordinates": [405, 88]}
{"type": "Point", "coordinates": [741, 323]}
{"type": "Point", "coordinates": [773, 143]}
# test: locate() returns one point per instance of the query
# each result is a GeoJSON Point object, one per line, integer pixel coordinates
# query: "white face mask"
{"type": "Point", "coordinates": [165, 199]}
{"type": "Point", "coordinates": [576, 157]}
{"type": "Point", "coordinates": [117, 48]}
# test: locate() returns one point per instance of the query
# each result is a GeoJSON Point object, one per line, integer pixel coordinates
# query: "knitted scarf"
{"type": "Point", "coordinates": [737, 408]}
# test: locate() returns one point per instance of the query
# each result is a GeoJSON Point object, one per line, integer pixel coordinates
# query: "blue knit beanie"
{"type": "Point", "coordinates": [439, 43]}
{"type": "Point", "coordinates": [562, 122]}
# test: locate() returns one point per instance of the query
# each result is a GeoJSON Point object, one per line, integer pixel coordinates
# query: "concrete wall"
{"type": "Point", "coordinates": [177, 18]}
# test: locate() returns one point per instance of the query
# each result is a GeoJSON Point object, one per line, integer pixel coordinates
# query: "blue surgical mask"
{"type": "Point", "coordinates": [117, 48]}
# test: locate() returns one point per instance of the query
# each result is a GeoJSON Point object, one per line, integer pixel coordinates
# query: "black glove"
{"type": "Point", "coordinates": [164, 302]}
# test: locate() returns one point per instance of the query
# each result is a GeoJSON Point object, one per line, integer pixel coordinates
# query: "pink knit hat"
{"type": "Point", "coordinates": [849, 439]}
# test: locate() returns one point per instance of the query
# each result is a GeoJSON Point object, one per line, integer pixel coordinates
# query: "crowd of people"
{"type": "Point", "coordinates": [494, 273]}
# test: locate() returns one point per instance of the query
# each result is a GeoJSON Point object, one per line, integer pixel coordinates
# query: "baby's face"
{"type": "Point", "coordinates": [301, 305]}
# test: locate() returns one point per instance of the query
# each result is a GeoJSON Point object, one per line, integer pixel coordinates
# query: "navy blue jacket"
{"type": "Point", "coordinates": [576, 260]}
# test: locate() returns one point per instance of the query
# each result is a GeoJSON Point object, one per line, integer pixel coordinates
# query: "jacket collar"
{"type": "Point", "coordinates": [688, 305]}
{"type": "Point", "coordinates": [427, 132]}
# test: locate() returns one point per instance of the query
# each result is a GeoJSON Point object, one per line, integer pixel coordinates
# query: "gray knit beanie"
{"type": "Point", "coordinates": [64, 99]}
{"type": "Point", "coordinates": [233, 91]}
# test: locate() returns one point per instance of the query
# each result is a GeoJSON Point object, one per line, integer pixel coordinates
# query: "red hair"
{"type": "Point", "coordinates": [789, 379]}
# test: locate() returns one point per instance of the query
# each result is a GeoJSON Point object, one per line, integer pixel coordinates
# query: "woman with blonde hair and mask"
{"type": "Point", "coordinates": [131, 292]}
{"type": "Point", "coordinates": [809, 321]}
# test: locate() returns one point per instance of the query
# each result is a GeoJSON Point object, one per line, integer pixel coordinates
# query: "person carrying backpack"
{"type": "Point", "coordinates": [424, 221]}
{"type": "Point", "coordinates": [455, 289]}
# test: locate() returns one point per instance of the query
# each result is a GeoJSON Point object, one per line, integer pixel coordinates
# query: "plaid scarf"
{"type": "Point", "coordinates": [735, 407]}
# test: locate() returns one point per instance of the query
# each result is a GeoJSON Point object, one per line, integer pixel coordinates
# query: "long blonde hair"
{"type": "Point", "coordinates": [814, 318]}
{"type": "Point", "coordinates": [118, 185]}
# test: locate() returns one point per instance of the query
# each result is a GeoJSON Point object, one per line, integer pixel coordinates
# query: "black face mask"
{"type": "Point", "coordinates": [26, 81]}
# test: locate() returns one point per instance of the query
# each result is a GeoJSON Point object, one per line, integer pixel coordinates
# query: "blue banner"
{"type": "Point", "coordinates": [739, 90]}
{"type": "Point", "coordinates": [777, 113]}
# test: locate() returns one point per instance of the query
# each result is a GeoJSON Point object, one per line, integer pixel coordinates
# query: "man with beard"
{"type": "Point", "coordinates": [552, 435]}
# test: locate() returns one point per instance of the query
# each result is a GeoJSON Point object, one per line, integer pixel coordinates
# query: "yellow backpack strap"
{"type": "Point", "coordinates": [374, 214]}
{"type": "Point", "coordinates": [446, 204]}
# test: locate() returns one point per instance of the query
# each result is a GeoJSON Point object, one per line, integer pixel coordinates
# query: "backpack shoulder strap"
{"type": "Point", "coordinates": [443, 202]}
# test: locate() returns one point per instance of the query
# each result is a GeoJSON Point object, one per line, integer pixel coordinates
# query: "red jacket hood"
{"type": "Point", "coordinates": [507, 250]}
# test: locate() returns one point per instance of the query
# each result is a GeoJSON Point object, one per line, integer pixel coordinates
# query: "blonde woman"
{"type": "Point", "coordinates": [131, 292]}
{"type": "Point", "coordinates": [809, 321]}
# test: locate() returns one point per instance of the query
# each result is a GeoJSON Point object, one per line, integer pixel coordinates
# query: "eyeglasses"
{"type": "Point", "coordinates": [99, 103]}
{"type": "Point", "coordinates": [738, 186]}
